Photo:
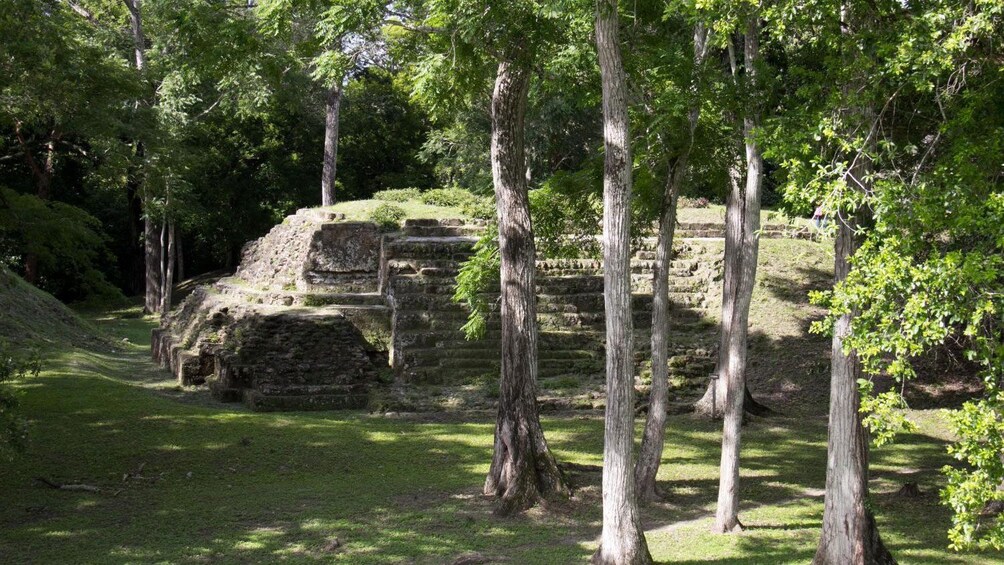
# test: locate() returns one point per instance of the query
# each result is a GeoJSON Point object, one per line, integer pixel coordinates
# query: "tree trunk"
{"type": "Point", "coordinates": [152, 248]}
{"type": "Point", "coordinates": [165, 258]}
{"type": "Point", "coordinates": [180, 263]}
{"type": "Point", "coordinates": [713, 404]}
{"type": "Point", "coordinates": [653, 438]}
{"type": "Point", "coordinates": [154, 256]}
{"type": "Point", "coordinates": [138, 38]}
{"type": "Point", "coordinates": [849, 535]}
{"type": "Point", "coordinates": [744, 232]}
{"type": "Point", "coordinates": [523, 469]}
{"type": "Point", "coordinates": [332, 109]}
{"type": "Point", "coordinates": [168, 280]}
{"type": "Point", "coordinates": [623, 539]}
{"type": "Point", "coordinates": [650, 453]}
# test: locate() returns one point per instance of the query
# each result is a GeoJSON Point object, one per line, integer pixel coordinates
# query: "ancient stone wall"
{"type": "Point", "coordinates": [300, 326]}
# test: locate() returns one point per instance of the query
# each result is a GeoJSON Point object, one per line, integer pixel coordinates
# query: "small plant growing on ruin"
{"type": "Point", "coordinates": [472, 283]}
{"type": "Point", "coordinates": [397, 194]}
{"type": "Point", "coordinates": [388, 216]}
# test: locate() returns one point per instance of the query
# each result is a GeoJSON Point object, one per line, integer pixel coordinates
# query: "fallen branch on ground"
{"type": "Point", "coordinates": [72, 486]}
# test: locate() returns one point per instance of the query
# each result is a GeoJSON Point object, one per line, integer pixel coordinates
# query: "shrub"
{"type": "Point", "coordinates": [397, 194]}
{"type": "Point", "coordinates": [481, 208]}
{"type": "Point", "coordinates": [452, 197]}
{"type": "Point", "coordinates": [566, 215]}
{"type": "Point", "coordinates": [13, 428]}
{"type": "Point", "coordinates": [388, 216]}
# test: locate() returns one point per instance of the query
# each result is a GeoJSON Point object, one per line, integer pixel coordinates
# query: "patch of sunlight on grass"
{"type": "Point", "coordinates": [170, 447]}
{"type": "Point", "coordinates": [64, 534]}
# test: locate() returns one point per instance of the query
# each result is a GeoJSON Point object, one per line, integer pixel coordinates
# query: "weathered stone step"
{"type": "Point", "coordinates": [446, 269]}
{"type": "Point", "coordinates": [638, 261]}
{"type": "Point", "coordinates": [415, 284]}
{"type": "Point", "coordinates": [432, 222]}
{"type": "Point", "coordinates": [295, 298]}
{"type": "Point", "coordinates": [437, 302]}
{"type": "Point", "coordinates": [570, 285]}
{"type": "Point", "coordinates": [346, 283]}
{"type": "Point", "coordinates": [473, 365]}
{"type": "Point", "coordinates": [342, 299]}
{"type": "Point", "coordinates": [443, 231]}
{"type": "Point", "coordinates": [309, 389]}
{"type": "Point", "coordinates": [451, 247]}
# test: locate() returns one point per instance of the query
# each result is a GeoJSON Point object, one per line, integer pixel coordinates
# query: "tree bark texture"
{"type": "Point", "coordinates": [139, 39]}
{"type": "Point", "coordinates": [168, 280]}
{"type": "Point", "coordinates": [623, 539]}
{"type": "Point", "coordinates": [523, 469]}
{"type": "Point", "coordinates": [332, 110]}
{"type": "Point", "coordinates": [849, 535]}
{"type": "Point", "coordinates": [743, 232]}
{"type": "Point", "coordinates": [653, 438]}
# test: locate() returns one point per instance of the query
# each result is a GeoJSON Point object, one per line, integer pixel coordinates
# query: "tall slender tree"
{"type": "Point", "coordinates": [504, 41]}
{"type": "Point", "coordinates": [623, 539]}
{"type": "Point", "coordinates": [523, 468]}
{"type": "Point", "coordinates": [850, 534]}
{"type": "Point", "coordinates": [653, 438]}
{"type": "Point", "coordinates": [332, 110]}
{"type": "Point", "coordinates": [153, 251]}
{"type": "Point", "coordinates": [742, 226]}
{"type": "Point", "coordinates": [330, 38]}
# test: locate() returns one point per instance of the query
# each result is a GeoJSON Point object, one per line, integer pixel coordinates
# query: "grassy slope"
{"type": "Point", "coordinates": [225, 485]}
{"type": "Point", "coordinates": [31, 317]}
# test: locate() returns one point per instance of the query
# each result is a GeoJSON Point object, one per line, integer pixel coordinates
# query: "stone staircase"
{"type": "Point", "coordinates": [428, 346]}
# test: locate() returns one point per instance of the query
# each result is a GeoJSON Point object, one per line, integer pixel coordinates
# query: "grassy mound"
{"type": "Point", "coordinates": [32, 317]}
{"type": "Point", "coordinates": [362, 210]}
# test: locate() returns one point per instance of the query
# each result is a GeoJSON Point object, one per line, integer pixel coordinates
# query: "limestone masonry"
{"type": "Point", "coordinates": [321, 308]}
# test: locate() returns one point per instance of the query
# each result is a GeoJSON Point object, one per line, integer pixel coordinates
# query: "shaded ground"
{"type": "Point", "coordinates": [203, 482]}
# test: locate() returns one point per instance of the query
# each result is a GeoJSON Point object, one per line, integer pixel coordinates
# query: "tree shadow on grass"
{"type": "Point", "coordinates": [223, 485]}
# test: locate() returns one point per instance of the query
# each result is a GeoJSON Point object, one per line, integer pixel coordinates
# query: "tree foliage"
{"type": "Point", "coordinates": [930, 267]}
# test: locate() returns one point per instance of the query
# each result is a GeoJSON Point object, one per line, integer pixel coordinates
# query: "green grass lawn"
{"type": "Point", "coordinates": [185, 479]}
{"type": "Point", "coordinates": [360, 210]}
{"type": "Point", "coordinates": [713, 213]}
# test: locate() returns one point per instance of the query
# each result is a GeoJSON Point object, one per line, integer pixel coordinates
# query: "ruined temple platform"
{"type": "Point", "coordinates": [323, 311]}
